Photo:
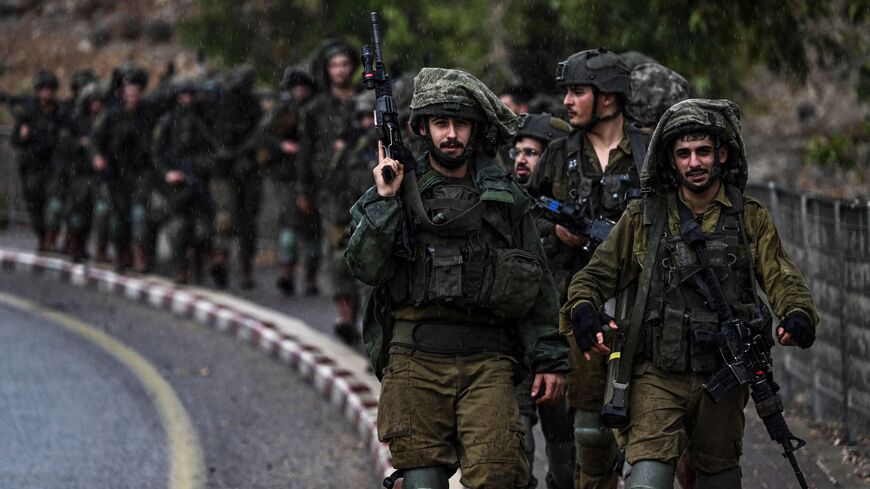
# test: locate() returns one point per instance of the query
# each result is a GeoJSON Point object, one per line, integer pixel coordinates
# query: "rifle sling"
{"type": "Point", "coordinates": [660, 217]}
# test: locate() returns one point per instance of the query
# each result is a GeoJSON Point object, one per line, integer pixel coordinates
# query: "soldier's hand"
{"type": "Point", "coordinates": [174, 176]}
{"type": "Point", "coordinates": [547, 388]}
{"type": "Point", "coordinates": [303, 203]}
{"type": "Point", "coordinates": [24, 132]}
{"type": "Point", "coordinates": [387, 189]}
{"type": "Point", "coordinates": [100, 163]}
{"type": "Point", "coordinates": [570, 238]}
{"type": "Point", "coordinates": [588, 326]}
{"type": "Point", "coordinates": [289, 147]}
{"type": "Point", "coordinates": [796, 329]}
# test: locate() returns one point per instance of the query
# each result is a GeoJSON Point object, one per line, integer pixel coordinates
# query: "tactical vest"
{"type": "Point", "coordinates": [681, 331]}
{"type": "Point", "coordinates": [607, 195]}
{"type": "Point", "coordinates": [464, 253]}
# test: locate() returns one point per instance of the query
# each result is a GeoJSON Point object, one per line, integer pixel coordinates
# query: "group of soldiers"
{"type": "Point", "coordinates": [118, 166]}
{"type": "Point", "coordinates": [463, 271]}
{"type": "Point", "coordinates": [469, 271]}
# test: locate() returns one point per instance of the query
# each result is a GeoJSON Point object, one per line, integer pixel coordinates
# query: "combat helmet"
{"type": "Point", "coordinates": [129, 72]}
{"type": "Point", "coordinates": [45, 79]}
{"type": "Point", "coordinates": [456, 93]}
{"type": "Point", "coordinates": [81, 78]}
{"type": "Point", "coordinates": [543, 127]}
{"type": "Point", "coordinates": [335, 47]}
{"type": "Point", "coordinates": [601, 69]}
{"type": "Point", "coordinates": [654, 88]}
{"type": "Point", "coordinates": [295, 76]}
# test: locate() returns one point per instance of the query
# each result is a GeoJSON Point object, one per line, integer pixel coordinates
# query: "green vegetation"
{"type": "Point", "coordinates": [713, 43]}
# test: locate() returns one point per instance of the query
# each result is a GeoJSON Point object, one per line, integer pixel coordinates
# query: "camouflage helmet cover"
{"type": "Point", "coordinates": [82, 78]}
{"type": "Point", "coordinates": [599, 68]}
{"type": "Point", "coordinates": [654, 88]}
{"type": "Point", "coordinates": [542, 127]}
{"type": "Point", "coordinates": [456, 93]}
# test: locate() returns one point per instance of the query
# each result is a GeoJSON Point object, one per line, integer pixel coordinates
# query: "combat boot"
{"type": "Point", "coordinates": [246, 281]}
{"type": "Point", "coordinates": [102, 252]}
{"type": "Point", "coordinates": [75, 248]}
{"type": "Point", "coordinates": [218, 270]}
{"type": "Point", "coordinates": [287, 281]}
{"type": "Point", "coordinates": [140, 259]}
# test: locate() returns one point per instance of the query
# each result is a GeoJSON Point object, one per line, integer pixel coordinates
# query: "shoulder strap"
{"type": "Point", "coordinates": [636, 318]}
{"type": "Point", "coordinates": [639, 142]}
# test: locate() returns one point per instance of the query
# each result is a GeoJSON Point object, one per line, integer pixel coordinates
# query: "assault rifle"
{"type": "Point", "coordinates": [574, 219]}
{"type": "Point", "coordinates": [745, 349]}
{"type": "Point", "coordinates": [375, 78]}
{"type": "Point", "coordinates": [386, 114]}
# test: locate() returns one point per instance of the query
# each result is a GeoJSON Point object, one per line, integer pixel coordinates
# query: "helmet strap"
{"type": "Point", "coordinates": [595, 119]}
{"type": "Point", "coordinates": [446, 160]}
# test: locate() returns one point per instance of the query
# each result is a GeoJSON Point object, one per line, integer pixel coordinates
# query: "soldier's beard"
{"type": "Point", "coordinates": [445, 159]}
{"type": "Point", "coordinates": [715, 173]}
{"type": "Point", "coordinates": [524, 177]}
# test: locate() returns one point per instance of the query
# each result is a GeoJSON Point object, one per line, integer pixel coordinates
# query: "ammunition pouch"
{"type": "Point", "coordinates": [504, 281]}
{"type": "Point", "coordinates": [450, 338]}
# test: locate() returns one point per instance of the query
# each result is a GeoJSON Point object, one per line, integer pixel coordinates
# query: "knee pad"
{"type": "Point", "coordinates": [588, 431]}
{"type": "Point", "coordinates": [287, 246]}
{"type": "Point", "coordinates": [101, 209]}
{"type": "Point", "coordinates": [651, 474]}
{"type": "Point", "coordinates": [139, 222]}
{"type": "Point", "coordinates": [52, 212]}
{"type": "Point", "coordinates": [730, 479]}
{"type": "Point", "coordinates": [425, 478]}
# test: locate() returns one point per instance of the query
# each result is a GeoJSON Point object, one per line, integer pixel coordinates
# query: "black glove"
{"type": "Point", "coordinates": [799, 326]}
{"type": "Point", "coordinates": [586, 323]}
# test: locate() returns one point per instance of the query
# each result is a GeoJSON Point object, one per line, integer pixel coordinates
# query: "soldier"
{"type": "Point", "coordinates": [695, 174]}
{"type": "Point", "coordinates": [236, 183]}
{"type": "Point", "coordinates": [596, 168]}
{"type": "Point", "coordinates": [456, 307]}
{"type": "Point", "coordinates": [298, 84]}
{"type": "Point", "coordinates": [285, 150]}
{"type": "Point", "coordinates": [330, 114]}
{"type": "Point", "coordinates": [83, 185]}
{"type": "Point", "coordinates": [349, 177]}
{"type": "Point", "coordinates": [534, 133]}
{"type": "Point", "coordinates": [183, 152]}
{"type": "Point", "coordinates": [35, 135]}
{"type": "Point", "coordinates": [122, 158]}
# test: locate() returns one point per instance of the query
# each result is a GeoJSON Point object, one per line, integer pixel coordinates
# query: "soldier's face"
{"type": "Point", "coordinates": [694, 159]}
{"type": "Point", "coordinates": [132, 94]}
{"type": "Point", "coordinates": [527, 153]}
{"type": "Point", "coordinates": [300, 92]}
{"type": "Point", "coordinates": [339, 67]}
{"type": "Point", "coordinates": [46, 94]}
{"type": "Point", "coordinates": [449, 134]}
{"type": "Point", "coordinates": [579, 100]}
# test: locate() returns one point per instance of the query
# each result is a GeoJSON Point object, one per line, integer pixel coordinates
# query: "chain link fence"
{"type": "Point", "coordinates": [830, 241]}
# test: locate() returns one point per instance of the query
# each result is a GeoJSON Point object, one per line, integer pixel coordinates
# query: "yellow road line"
{"type": "Point", "coordinates": [186, 465]}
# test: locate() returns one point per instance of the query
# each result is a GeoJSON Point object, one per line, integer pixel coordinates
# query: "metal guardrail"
{"type": "Point", "coordinates": [829, 239]}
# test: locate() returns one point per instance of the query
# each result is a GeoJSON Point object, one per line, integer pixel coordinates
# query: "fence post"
{"type": "Point", "coordinates": [842, 327]}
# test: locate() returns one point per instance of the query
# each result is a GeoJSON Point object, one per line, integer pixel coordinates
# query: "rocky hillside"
{"type": "Point", "coordinates": [781, 121]}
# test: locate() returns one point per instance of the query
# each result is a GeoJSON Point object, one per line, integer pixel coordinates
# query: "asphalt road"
{"type": "Point", "coordinates": [77, 415]}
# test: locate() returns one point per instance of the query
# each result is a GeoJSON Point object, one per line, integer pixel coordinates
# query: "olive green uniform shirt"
{"type": "Point", "coordinates": [618, 261]}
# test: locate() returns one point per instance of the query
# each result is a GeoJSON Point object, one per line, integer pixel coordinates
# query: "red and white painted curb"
{"type": "Point", "coordinates": [342, 387]}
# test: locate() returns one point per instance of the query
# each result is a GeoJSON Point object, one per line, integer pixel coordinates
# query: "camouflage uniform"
{"type": "Point", "coordinates": [236, 183]}
{"type": "Point", "coordinates": [83, 182]}
{"type": "Point", "coordinates": [184, 209]}
{"type": "Point", "coordinates": [556, 420]}
{"type": "Point", "coordinates": [36, 165]}
{"type": "Point", "coordinates": [446, 348]}
{"type": "Point", "coordinates": [329, 118]}
{"type": "Point", "coordinates": [350, 175]}
{"type": "Point", "coordinates": [668, 407]}
{"type": "Point", "coordinates": [286, 123]}
{"type": "Point", "coordinates": [570, 171]}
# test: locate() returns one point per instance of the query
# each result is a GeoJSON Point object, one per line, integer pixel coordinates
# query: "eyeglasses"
{"type": "Point", "coordinates": [514, 153]}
